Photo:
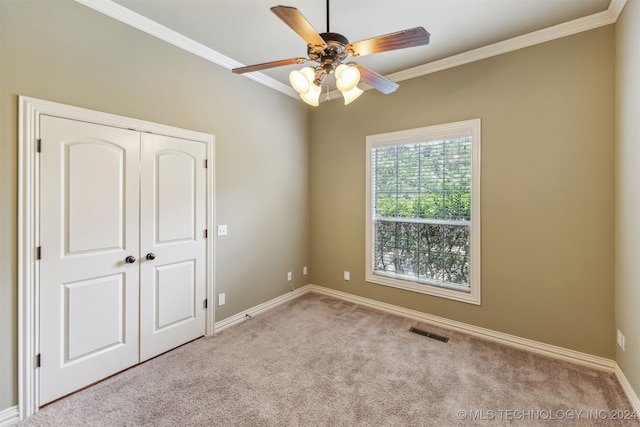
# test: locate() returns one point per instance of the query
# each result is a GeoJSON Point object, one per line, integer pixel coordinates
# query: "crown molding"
{"type": "Point", "coordinates": [565, 29]}
{"type": "Point", "coordinates": [142, 23]}
{"type": "Point", "coordinates": [135, 20]}
{"type": "Point", "coordinates": [615, 9]}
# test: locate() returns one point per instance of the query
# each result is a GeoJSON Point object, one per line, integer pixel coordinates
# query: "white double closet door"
{"type": "Point", "coordinates": [122, 237]}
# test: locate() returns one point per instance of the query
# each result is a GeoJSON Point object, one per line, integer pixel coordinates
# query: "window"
{"type": "Point", "coordinates": [423, 210]}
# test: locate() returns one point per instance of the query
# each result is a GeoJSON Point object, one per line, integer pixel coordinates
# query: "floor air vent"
{"type": "Point", "coordinates": [428, 334]}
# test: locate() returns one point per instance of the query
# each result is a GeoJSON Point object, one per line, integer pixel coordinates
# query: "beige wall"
{"type": "Point", "coordinates": [64, 52]}
{"type": "Point", "coordinates": [628, 190]}
{"type": "Point", "coordinates": [547, 188]}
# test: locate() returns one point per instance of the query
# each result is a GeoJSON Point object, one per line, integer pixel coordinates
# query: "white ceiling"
{"type": "Point", "coordinates": [245, 32]}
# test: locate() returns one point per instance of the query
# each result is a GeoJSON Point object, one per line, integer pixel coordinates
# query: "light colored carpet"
{"type": "Point", "coordinates": [319, 361]}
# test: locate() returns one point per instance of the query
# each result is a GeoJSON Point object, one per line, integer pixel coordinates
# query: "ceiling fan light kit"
{"type": "Point", "coordinates": [329, 50]}
{"type": "Point", "coordinates": [308, 81]}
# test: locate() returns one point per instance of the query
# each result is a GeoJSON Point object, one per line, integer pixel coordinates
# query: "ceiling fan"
{"type": "Point", "coordinates": [330, 50]}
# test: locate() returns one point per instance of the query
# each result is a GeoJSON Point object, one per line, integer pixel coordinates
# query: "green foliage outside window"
{"type": "Point", "coordinates": [422, 210]}
{"type": "Point", "coordinates": [454, 206]}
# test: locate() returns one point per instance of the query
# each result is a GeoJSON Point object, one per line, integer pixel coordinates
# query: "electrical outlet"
{"type": "Point", "coordinates": [289, 276]}
{"type": "Point", "coordinates": [304, 270]}
{"type": "Point", "coordinates": [222, 230]}
{"type": "Point", "coordinates": [620, 339]}
{"type": "Point", "coordinates": [221, 299]}
{"type": "Point", "coordinates": [347, 276]}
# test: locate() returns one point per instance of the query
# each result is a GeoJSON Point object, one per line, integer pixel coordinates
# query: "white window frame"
{"type": "Point", "coordinates": [429, 133]}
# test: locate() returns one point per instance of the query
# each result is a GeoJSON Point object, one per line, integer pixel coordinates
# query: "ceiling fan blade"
{"type": "Point", "coordinates": [272, 64]}
{"type": "Point", "coordinates": [298, 23]}
{"type": "Point", "coordinates": [376, 80]}
{"type": "Point", "coordinates": [417, 36]}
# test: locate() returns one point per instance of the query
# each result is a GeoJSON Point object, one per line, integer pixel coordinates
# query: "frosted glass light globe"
{"type": "Point", "coordinates": [301, 80]}
{"type": "Point", "coordinates": [347, 77]}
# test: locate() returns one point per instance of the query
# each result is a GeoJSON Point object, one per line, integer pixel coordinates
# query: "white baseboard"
{"type": "Point", "coordinates": [628, 390]}
{"type": "Point", "coordinates": [568, 355]}
{"type": "Point", "coordinates": [9, 416]}
{"type": "Point", "coordinates": [261, 308]}
{"type": "Point", "coordinates": [556, 352]}
{"type": "Point", "coordinates": [537, 347]}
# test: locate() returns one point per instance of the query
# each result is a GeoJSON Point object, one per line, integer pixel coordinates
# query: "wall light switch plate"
{"type": "Point", "coordinates": [221, 299]}
{"type": "Point", "coordinates": [347, 276]}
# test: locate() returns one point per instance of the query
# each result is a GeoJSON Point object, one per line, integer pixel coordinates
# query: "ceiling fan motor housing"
{"type": "Point", "coordinates": [332, 55]}
{"type": "Point", "coordinates": [335, 38]}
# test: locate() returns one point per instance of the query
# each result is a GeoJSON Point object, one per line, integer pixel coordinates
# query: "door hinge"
{"type": "Point", "coordinates": [206, 303]}
{"type": "Point", "coordinates": [38, 145]}
{"type": "Point", "coordinates": [206, 163]}
{"type": "Point", "coordinates": [39, 253]}
{"type": "Point", "coordinates": [206, 234]}
{"type": "Point", "coordinates": [38, 360]}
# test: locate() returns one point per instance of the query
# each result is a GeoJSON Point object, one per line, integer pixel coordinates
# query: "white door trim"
{"type": "Point", "coordinates": [29, 110]}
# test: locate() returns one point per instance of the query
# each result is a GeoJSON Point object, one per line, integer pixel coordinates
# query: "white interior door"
{"type": "Point", "coordinates": [123, 250]}
{"type": "Point", "coordinates": [89, 219]}
{"type": "Point", "coordinates": [173, 245]}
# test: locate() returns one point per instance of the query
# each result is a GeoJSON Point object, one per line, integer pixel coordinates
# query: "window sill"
{"type": "Point", "coordinates": [442, 291]}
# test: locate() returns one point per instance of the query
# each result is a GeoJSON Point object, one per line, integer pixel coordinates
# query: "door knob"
{"type": "Point", "coordinates": [151, 256]}
{"type": "Point", "coordinates": [130, 259]}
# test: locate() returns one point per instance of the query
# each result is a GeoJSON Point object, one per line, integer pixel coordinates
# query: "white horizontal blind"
{"type": "Point", "coordinates": [421, 202]}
